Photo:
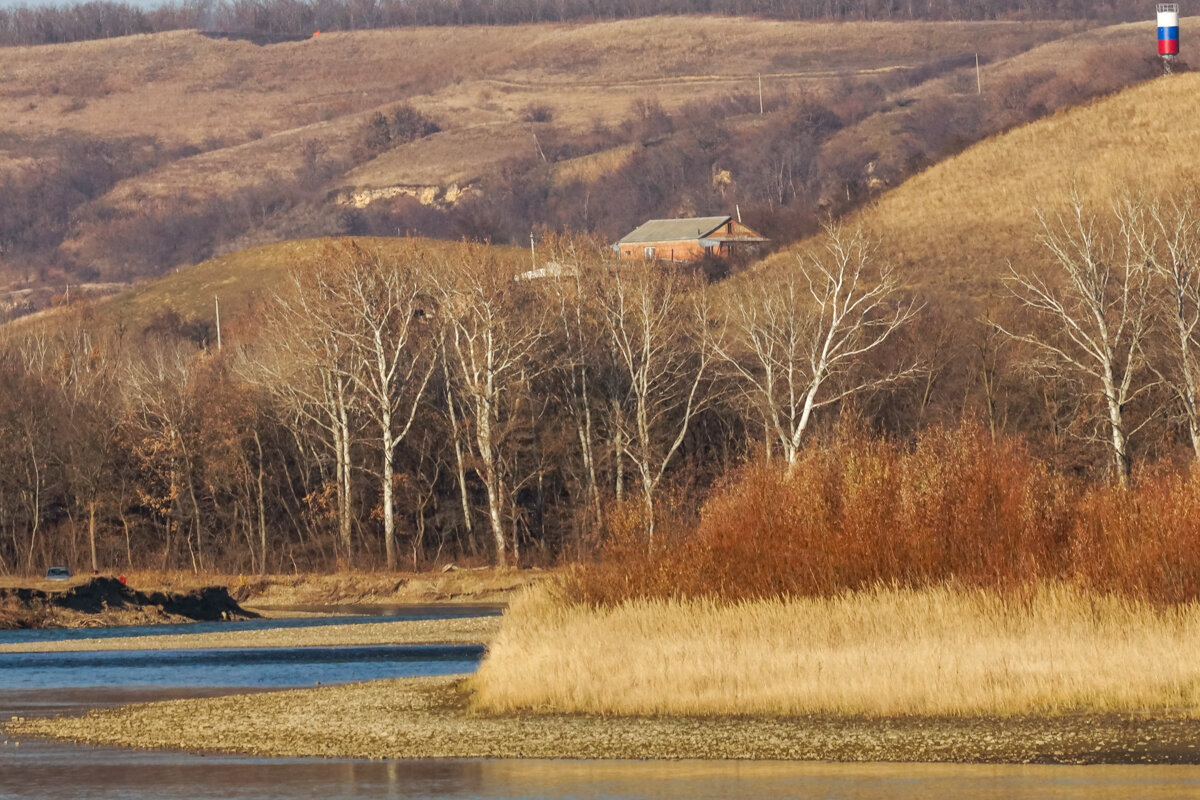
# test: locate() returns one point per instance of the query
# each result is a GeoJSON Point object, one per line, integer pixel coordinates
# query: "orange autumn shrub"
{"type": "Point", "coordinates": [953, 508]}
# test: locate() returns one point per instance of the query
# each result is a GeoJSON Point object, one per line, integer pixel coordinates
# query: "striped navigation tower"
{"type": "Point", "coordinates": [1168, 33]}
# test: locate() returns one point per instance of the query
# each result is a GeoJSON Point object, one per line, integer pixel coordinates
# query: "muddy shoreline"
{"type": "Point", "coordinates": [432, 718]}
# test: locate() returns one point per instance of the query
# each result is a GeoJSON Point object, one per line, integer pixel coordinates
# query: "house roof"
{"type": "Point", "coordinates": [670, 230]}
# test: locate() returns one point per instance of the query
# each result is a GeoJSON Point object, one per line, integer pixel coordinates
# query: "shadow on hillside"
{"type": "Point", "coordinates": [260, 39]}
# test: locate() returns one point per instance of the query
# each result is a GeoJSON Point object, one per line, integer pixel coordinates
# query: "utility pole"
{"type": "Point", "coordinates": [217, 303]}
{"type": "Point", "coordinates": [978, 76]}
{"type": "Point", "coordinates": [760, 103]}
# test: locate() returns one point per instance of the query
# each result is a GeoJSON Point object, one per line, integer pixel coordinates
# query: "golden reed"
{"type": "Point", "coordinates": [931, 651]}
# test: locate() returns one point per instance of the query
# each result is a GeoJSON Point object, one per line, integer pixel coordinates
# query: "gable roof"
{"type": "Point", "coordinates": [670, 230]}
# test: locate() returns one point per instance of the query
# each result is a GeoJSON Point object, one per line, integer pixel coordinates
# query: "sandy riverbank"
{"type": "Point", "coordinates": [431, 718]}
{"type": "Point", "coordinates": [470, 630]}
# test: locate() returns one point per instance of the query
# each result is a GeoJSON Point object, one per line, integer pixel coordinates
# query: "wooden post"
{"type": "Point", "coordinates": [760, 102]}
{"type": "Point", "coordinates": [217, 304]}
{"type": "Point", "coordinates": [978, 76]}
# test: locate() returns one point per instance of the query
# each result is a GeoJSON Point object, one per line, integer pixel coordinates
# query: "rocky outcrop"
{"type": "Point", "coordinates": [438, 196]}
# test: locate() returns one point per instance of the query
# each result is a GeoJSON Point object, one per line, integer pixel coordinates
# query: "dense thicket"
{"type": "Point", "coordinates": [954, 507]}
{"type": "Point", "coordinates": [97, 20]}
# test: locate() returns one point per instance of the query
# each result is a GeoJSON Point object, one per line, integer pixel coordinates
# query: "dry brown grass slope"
{"type": "Point", "coordinates": [238, 278]}
{"type": "Point", "coordinates": [250, 107]}
{"type": "Point", "coordinates": [957, 225]}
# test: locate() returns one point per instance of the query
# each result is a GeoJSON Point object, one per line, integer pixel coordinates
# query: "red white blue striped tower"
{"type": "Point", "coordinates": [1168, 31]}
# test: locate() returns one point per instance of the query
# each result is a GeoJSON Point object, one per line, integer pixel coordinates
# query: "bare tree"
{"type": "Point", "coordinates": [1096, 304]}
{"type": "Point", "coordinates": [577, 330]}
{"type": "Point", "coordinates": [1170, 244]}
{"type": "Point", "coordinates": [161, 420]}
{"type": "Point", "coordinates": [383, 305]}
{"type": "Point", "coordinates": [304, 364]}
{"type": "Point", "coordinates": [801, 338]}
{"type": "Point", "coordinates": [657, 324]}
{"type": "Point", "coordinates": [354, 329]}
{"type": "Point", "coordinates": [491, 332]}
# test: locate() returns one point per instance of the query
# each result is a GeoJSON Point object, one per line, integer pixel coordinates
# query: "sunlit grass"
{"type": "Point", "coordinates": [932, 651]}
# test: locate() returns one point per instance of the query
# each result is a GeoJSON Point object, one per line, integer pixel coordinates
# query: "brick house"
{"type": "Point", "coordinates": [687, 239]}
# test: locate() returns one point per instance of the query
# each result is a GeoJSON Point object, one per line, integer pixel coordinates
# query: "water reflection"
{"type": "Point", "coordinates": [54, 771]}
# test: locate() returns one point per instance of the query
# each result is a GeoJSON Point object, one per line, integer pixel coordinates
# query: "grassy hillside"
{"type": "Point", "coordinates": [129, 157]}
{"type": "Point", "coordinates": [957, 225]}
{"type": "Point", "coordinates": [233, 113]}
{"type": "Point", "coordinates": [237, 280]}
{"type": "Point", "coordinates": [255, 101]}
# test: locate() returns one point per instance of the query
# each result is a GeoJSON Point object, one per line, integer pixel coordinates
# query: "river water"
{"type": "Point", "coordinates": [72, 682]}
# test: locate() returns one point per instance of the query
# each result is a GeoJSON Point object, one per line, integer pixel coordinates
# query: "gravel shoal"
{"type": "Point", "coordinates": [469, 630]}
{"type": "Point", "coordinates": [431, 718]}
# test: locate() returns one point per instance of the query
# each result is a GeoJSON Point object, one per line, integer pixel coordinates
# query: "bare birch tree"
{"type": "Point", "coordinates": [800, 340]}
{"type": "Point", "coordinates": [576, 333]}
{"type": "Point", "coordinates": [303, 363]}
{"type": "Point", "coordinates": [1096, 304]}
{"type": "Point", "coordinates": [491, 331]}
{"type": "Point", "coordinates": [1170, 244]}
{"type": "Point", "coordinates": [359, 323]}
{"type": "Point", "coordinates": [657, 325]}
{"type": "Point", "coordinates": [390, 359]}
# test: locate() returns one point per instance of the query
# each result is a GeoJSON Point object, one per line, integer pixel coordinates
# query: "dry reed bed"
{"type": "Point", "coordinates": [933, 651]}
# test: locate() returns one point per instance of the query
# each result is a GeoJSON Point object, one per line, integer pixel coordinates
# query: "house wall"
{"type": "Point", "coordinates": [687, 250]}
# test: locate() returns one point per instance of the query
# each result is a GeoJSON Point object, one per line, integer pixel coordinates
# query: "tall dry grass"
{"type": "Point", "coordinates": [933, 651]}
{"type": "Point", "coordinates": [954, 576]}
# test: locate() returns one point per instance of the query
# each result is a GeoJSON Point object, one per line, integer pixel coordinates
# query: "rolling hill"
{"type": "Point", "coordinates": [237, 280]}
{"type": "Point", "coordinates": [957, 225]}
{"type": "Point", "coordinates": [953, 228]}
{"type": "Point", "coordinates": [224, 114]}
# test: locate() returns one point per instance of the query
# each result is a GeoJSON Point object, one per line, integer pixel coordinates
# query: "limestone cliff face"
{"type": "Point", "coordinates": [439, 196]}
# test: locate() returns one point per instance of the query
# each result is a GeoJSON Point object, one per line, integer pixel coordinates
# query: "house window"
{"type": "Point", "coordinates": [649, 252]}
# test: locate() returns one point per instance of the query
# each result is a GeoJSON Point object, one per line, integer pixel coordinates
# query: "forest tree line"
{"type": "Point", "coordinates": [99, 19]}
{"type": "Point", "coordinates": [429, 402]}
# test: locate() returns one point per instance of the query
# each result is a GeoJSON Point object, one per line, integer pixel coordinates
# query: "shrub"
{"type": "Point", "coordinates": [956, 508]}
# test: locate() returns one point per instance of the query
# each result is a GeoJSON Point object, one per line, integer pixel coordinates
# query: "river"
{"type": "Point", "coordinates": [71, 682]}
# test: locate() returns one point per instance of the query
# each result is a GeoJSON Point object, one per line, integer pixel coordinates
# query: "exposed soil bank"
{"type": "Point", "coordinates": [24, 603]}
{"type": "Point", "coordinates": [108, 601]}
{"type": "Point", "coordinates": [431, 718]}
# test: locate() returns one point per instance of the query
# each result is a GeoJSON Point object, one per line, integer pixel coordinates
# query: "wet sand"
{"type": "Point", "coordinates": [468, 630]}
{"type": "Point", "coordinates": [431, 718]}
